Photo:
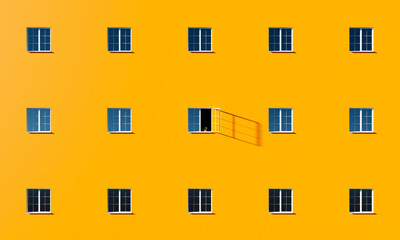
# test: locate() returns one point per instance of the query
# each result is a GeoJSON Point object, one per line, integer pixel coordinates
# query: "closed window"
{"type": "Point", "coordinates": [200, 40]}
{"type": "Point", "coordinates": [38, 119]}
{"type": "Point", "coordinates": [119, 39]}
{"type": "Point", "coordinates": [361, 39]}
{"type": "Point", "coordinates": [119, 200]}
{"type": "Point", "coordinates": [204, 120]}
{"type": "Point", "coordinates": [361, 200]}
{"type": "Point", "coordinates": [280, 201]}
{"type": "Point", "coordinates": [280, 39]}
{"type": "Point", "coordinates": [281, 120]}
{"type": "Point", "coordinates": [200, 201]}
{"type": "Point", "coordinates": [119, 120]}
{"type": "Point", "coordinates": [38, 200]}
{"type": "Point", "coordinates": [361, 120]}
{"type": "Point", "coordinates": [38, 39]}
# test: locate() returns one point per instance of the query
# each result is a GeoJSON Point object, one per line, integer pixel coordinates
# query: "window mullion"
{"type": "Point", "coordinates": [280, 200]}
{"type": "Point", "coordinates": [361, 120]}
{"type": "Point", "coordinates": [39, 200]}
{"type": "Point", "coordinates": [119, 39]}
{"type": "Point", "coordinates": [39, 120]}
{"type": "Point", "coordinates": [361, 42]}
{"type": "Point", "coordinates": [120, 200]}
{"type": "Point", "coordinates": [119, 120]}
{"type": "Point", "coordinates": [200, 40]}
{"type": "Point", "coordinates": [200, 120]}
{"type": "Point", "coordinates": [361, 191]}
{"type": "Point", "coordinates": [200, 200]}
{"type": "Point", "coordinates": [280, 39]}
{"type": "Point", "coordinates": [280, 120]}
{"type": "Point", "coordinates": [39, 39]}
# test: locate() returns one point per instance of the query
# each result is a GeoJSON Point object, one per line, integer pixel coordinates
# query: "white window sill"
{"type": "Point", "coordinates": [289, 132]}
{"type": "Point", "coordinates": [281, 51]}
{"type": "Point", "coordinates": [362, 213]}
{"type": "Point", "coordinates": [364, 132]}
{"type": "Point", "coordinates": [127, 132]}
{"type": "Point", "coordinates": [363, 51]}
{"type": "Point", "coordinates": [281, 213]}
{"type": "Point", "coordinates": [203, 132]}
{"type": "Point", "coordinates": [40, 51]}
{"type": "Point", "coordinates": [201, 51]}
{"type": "Point", "coordinates": [201, 213]}
{"type": "Point", "coordinates": [42, 132]}
{"type": "Point", "coordinates": [120, 213]}
{"type": "Point", "coordinates": [40, 213]}
{"type": "Point", "coordinates": [120, 51]}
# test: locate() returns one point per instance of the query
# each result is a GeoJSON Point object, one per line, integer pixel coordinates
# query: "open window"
{"type": "Point", "coordinates": [204, 120]}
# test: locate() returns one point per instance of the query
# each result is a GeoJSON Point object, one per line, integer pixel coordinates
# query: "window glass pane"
{"type": "Point", "coordinates": [113, 119]}
{"type": "Point", "coordinates": [113, 39]}
{"type": "Point", "coordinates": [33, 200]}
{"type": "Point", "coordinates": [274, 39]}
{"type": "Point", "coordinates": [355, 200]}
{"type": "Point", "coordinates": [286, 200]}
{"type": "Point", "coordinates": [205, 39]}
{"type": "Point", "coordinates": [45, 200]}
{"type": "Point", "coordinates": [113, 200]}
{"type": "Point", "coordinates": [32, 119]}
{"type": "Point", "coordinates": [286, 119]}
{"type": "Point", "coordinates": [274, 120]}
{"type": "Point", "coordinates": [125, 119]}
{"type": "Point", "coordinates": [206, 200]}
{"type": "Point", "coordinates": [354, 119]}
{"type": "Point", "coordinates": [274, 200]}
{"type": "Point", "coordinates": [125, 200]}
{"type": "Point", "coordinates": [286, 39]}
{"type": "Point", "coordinates": [194, 42]}
{"type": "Point", "coordinates": [33, 39]}
{"type": "Point", "coordinates": [194, 200]}
{"type": "Point", "coordinates": [45, 119]}
{"type": "Point", "coordinates": [44, 39]}
{"type": "Point", "coordinates": [366, 39]}
{"type": "Point", "coordinates": [355, 39]}
{"type": "Point", "coordinates": [366, 119]}
{"type": "Point", "coordinates": [125, 39]}
{"type": "Point", "coordinates": [367, 200]}
{"type": "Point", "coordinates": [194, 119]}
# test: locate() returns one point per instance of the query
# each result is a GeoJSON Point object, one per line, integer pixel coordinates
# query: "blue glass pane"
{"type": "Point", "coordinates": [274, 39]}
{"type": "Point", "coordinates": [205, 39]}
{"type": "Point", "coordinates": [354, 39]}
{"type": "Point", "coordinates": [354, 200]}
{"type": "Point", "coordinates": [113, 119]}
{"type": "Point", "coordinates": [113, 39]}
{"type": "Point", "coordinates": [33, 39]}
{"type": "Point", "coordinates": [194, 200]}
{"type": "Point", "coordinates": [366, 39]}
{"type": "Point", "coordinates": [274, 200]}
{"type": "Point", "coordinates": [44, 39]}
{"type": "Point", "coordinates": [286, 119]}
{"type": "Point", "coordinates": [33, 200]}
{"type": "Point", "coordinates": [125, 119]}
{"type": "Point", "coordinates": [286, 39]}
{"type": "Point", "coordinates": [45, 119]}
{"type": "Point", "coordinates": [125, 39]}
{"type": "Point", "coordinates": [366, 119]}
{"type": "Point", "coordinates": [274, 118]}
{"type": "Point", "coordinates": [286, 200]}
{"type": "Point", "coordinates": [354, 119]}
{"type": "Point", "coordinates": [32, 119]}
{"type": "Point", "coordinates": [194, 119]}
{"type": "Point", "coordinates": [194, 41]}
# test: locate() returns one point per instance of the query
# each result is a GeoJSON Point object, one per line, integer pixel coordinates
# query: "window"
{"type": "Point", "coordinates": [38, 200]}
{"type": "Point", "coordinates": [280, 40]}
{"type": "Point", "coordinates": [119, 201]}
{"type": "Point", "coordinates": [200, 40]}
{"type": "Point", "coordinates": [280, 201]}
{"type": "Point", "coordinates": [361, 200]}
{"type": "Point", "coordinates": [38, 39]}
{"type": "Point", "coordinates": [204, 120]}
{"type": "Point", "coordinates": [361, 40]}
{"type": "Point", "coordinates": [200, 201]}
{"type": "Point", "coordinates": [119, 120]}
{"type": "Point", "coordinates": [280, 120]}
{"type": "Point", "coordinates": [119, 39]}
{"type": "Point", "coordinates": [361, 120]}
{"type": "Point", "coordinates": [38, 119]}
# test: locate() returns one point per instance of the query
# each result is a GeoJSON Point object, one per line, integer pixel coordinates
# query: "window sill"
{"type": "Point", "coordinates": [204, 132]}
{"type": "Point", "coordinates": [42, 132]}
{"type": "Point", "coordinates": [201, 52]}
{"type": "Point", "coordinates": [283, 132]}
{"type": "Point", "coordinates": [40, 213]}
{"type": "Point", "coordinates": [39, 51]}
{"type": "Point", "coordinates": [120, 51]}
{"type": "Point", "coordinates": [364, 132]}
{"type": "Point", "coordinates": [201, 213]}
{"type": "Point", "coordinates": [363, 213]}
{"type": "Point", "coordinates": [282, 213]}
{"type": "Point", "coordinates": [120, 213]}
{"type": "Point", "coordinates": [120, 132]}
{"type": "Point", "coordinates": [362, 51]}
{"type": "Point", "coordinates": [282, 51]}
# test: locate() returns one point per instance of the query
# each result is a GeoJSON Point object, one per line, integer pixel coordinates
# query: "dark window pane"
{"type": "Point", "coordinates": [355, 200]}
{"type": "Point", "coordinates": [194, 200]}
{"type": "Point", "coordinates": [274, 119]}
{"type": "Point", "coordinates": [354, 119]}
{"type": "Point", "coordinates": [274, 200]}
{"type": "Point", "coordinates": [206, 200]}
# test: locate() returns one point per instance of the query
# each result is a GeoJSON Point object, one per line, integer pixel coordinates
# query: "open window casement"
{"type": "Point", "coordinates": [204, 120]}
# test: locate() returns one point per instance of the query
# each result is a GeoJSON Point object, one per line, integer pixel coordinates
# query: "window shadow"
{"type": "Point", "coordinates": [240, 128]}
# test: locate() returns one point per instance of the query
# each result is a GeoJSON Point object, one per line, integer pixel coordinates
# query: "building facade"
{"type": "Point", "coordinates": [198, 120]}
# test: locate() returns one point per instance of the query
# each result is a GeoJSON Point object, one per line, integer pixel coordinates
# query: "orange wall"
{"type": "Point", "coordinates": [160, 81]}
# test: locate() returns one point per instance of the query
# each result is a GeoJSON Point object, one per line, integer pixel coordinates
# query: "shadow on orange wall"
{"type": "Point", "coordinates": [240, 128]}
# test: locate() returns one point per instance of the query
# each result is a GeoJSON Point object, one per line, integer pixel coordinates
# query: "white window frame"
{"type": "Point", "coordinates": [280, 121]}
{"type": "Point", "coordinates": [372, 121]}
{"type": "Point", "coordinates": [361, 41]}
{"type": "Point", "coordinates": [27, 201]}
{"type": "Point", "coordinates": [201, 28]}
{"type": "Point", "coordinates": [40, 131]}
{"type": "Point", "coordinates": [280, 201]}
{"type": "Point", "coordinates": [119, 121]}
{"type": "Point", "coordinates": [215, 121]}
{"type": "Point", "coordinates": [119, 39]}
{"type": "Point", "coordinates": [120, 201]}
{"type": "Point", "coordinates": [202, 212]}
{"type": "Point", "coordinates": [280, 39]}
{"type": "Point", "coordinates": [39, 28]}
{"type": "Point", "coordinates": [372, 201]}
